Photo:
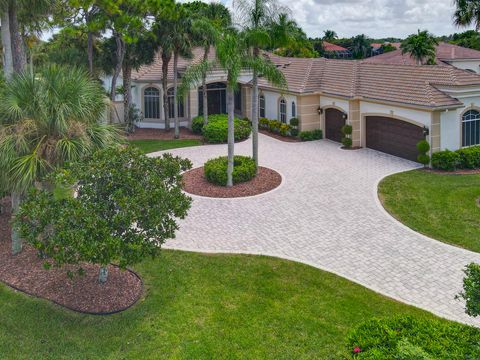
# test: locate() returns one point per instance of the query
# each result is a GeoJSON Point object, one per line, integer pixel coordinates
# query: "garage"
{"type": "Point", "coordinates": [393, 136]}
{"type": "Point", "coordinates": [334, 121]}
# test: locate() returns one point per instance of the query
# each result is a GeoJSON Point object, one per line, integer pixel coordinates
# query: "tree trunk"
{"type": "Point", "coordinates": [254, 115]}
{"type": "Point", "coordinates": [90, 52]}
{"type": "Point", "coordinates": [204, 87]}
{"type": "Point", "coordinates": [16, 240]}
{"type": "Point", "coordinates": [231, 135]}
{"type": "Point", "coordinates": [7, 46]}
{"type": "Point", "coordinates": [103, 275]}
{"type": "Point", "coordinates": [120, 54]}
{"type": "Point", "coordinates": [18, 49]}
{"type": "Point", "coordinates": [175, 100]}
{"type": "Point", "coordinates": [165, 62]}
{"type": "Point", "coordinates": [127, 96]}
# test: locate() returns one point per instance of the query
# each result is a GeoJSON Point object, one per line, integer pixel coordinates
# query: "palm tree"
{"type": "Point", "coordinates": [46, 120]}
{"type": "Point", "coordinates": [466, 13]}
{"type": "Point", "coordinates": [233, 56]}
{"type": "Point", "coordinates": [329, 35]}
{"type": "Point", "coordinates": [360, 46]}
{"type": "Point", "coordinates": [420, 46]}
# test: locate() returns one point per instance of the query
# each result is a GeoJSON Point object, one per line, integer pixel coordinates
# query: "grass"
{"type": "Point", "coordinates": [202, 307]}
{"type": "Point", "coordinates": [441, 206]}
{"type": "Point", "coordinates": [149, 146]}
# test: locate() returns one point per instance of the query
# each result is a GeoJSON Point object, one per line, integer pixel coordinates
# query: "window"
{"type": "Point", "coordinates": [151, 103]}
{"type": "Point", "coordinates": [294, 109]}
{"type": "Point", "coordinates": [471, 128]}
{"type": "Point", "coordinates": [180, 113]}
{"type": "Point", "coordinates": [283, 111]}
{"type": "Point", "coordinates": [261, 106]}
{"type": "Point", "coordinates": [238, 99]}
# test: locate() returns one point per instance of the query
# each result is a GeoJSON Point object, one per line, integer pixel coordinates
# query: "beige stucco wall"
{"type": "Point", "coordinates": [308, 112]}
{"type": "Point", "coordinates": [354, 119]}
{"type": "Point", "coordinates": [435, 135]}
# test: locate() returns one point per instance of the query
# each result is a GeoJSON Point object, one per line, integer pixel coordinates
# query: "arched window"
{"type": "Point", "coordinates": [471, 128]}
{"type": "Point", "coordinates": [261, 106]}
{"type": "Point", "coordinates": [151, 103]}
{"type": "Point", "coordinates": [180, 111]}
{"type": "Point", "coordinates": [282, 111]}
{"type": "Point", "coordinates": [294, 109]}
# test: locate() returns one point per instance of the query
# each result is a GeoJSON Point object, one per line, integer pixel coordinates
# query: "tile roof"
{"type": "Point", "coordinates": [444, 53]}
{"type": "Point", "coordinates": [332, 47]}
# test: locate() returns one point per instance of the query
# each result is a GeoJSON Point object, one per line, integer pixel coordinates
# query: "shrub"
{"type": "Point", "coordinates": [311, 135]}
{"type": "Point", "coordinates": [294, 122]}
{"type": "Point", "coordinates": [347, 142]}
{"type": "Point", "coordinates": [274, 126]}
{"type": "Point", "coordinates": [423, 146]}
{"type": "Point", "coordinates": [471, 289]}
{"type": "Point", "coordinates": [446, 160]}
{"type": "Point", "coordinates": [469, 157]}
{"type": "Point", "coordinates": [244, 169]}
{"type": "Point", "coordinates": [406, 337]}
{"type": "Point", "coordinates": [284, 129]}
{"type": "Point", "coordinates": [197, 124]}
{"type": "Point", "coordinates": [263, 123]}
{"type": "Point", "coordinates": [423, 159]}
{"type": "Point", "coordinates": [294, 132]}
{"type": "Point", "coordinates": [216, 131]}
{"type": "Point", "coordinates": [347, 130]}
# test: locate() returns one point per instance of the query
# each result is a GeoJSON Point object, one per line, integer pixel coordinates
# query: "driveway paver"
{"type": "Point", "coordinates": [326, 214]}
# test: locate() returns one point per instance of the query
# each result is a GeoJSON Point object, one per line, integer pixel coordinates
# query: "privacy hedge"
{"type": "Point", "coordinates": [466, 158]}
{"type": "Point", "coordinates": [216, 131]}
{"type": "Point", "coordinates": [405, 337]}
{"type": "Point", "coordinates": [311, 135]}
{"type": "Point", "coordinates": [244, 169]}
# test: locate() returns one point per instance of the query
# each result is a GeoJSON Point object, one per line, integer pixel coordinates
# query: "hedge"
{"type": "Point", "coordinates": [216, 131]}
{"type": "Point", "coordinates": [311, 135]}
{"type": "Point", "coordinates": [244, 169]}
{"type": "Point", "coordinates": [466, 158]}
{"type": "Point", "coordinates": [406, 337]}
{"type": "Point", "coordinates": [278, 127]}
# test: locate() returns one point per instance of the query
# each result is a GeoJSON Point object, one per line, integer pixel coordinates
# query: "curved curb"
{"type": "Point", "coordinates": [239, 197]}
{"type": "Point", "coordinates": [103, 313]}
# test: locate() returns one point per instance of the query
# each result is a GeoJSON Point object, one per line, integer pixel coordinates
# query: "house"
{"type": "Point", "coordinates": [446, 54]}
{"type": "Point", "coordinates": [377, 47]}
{"type": "Point", "coordinates": [335, 51]}
{"type": "Point", "coordinates": [390, 106]}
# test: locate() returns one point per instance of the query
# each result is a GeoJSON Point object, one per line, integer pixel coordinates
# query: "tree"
{"type": "Point", "coordinates": [233, 56]}
{"type": "Point", "coordinates": [421, 47]}
{"type": "Point", "coordinates": [471, 289]}
{"type": "Point", "coordinates": [329, 35]}
{"type": "Point", "coordinates": [289, 38]}
{"type": "Point", "coordinates": [126, 205]}
{"type": "Point", "coordinates": [360, 47]}
{"type": "Point", "coordinates": [48, 119]}
{"type": "Point", "coordinates": [467, 12]}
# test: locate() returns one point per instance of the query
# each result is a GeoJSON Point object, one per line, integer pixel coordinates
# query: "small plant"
{"type": "Point", "coordinates": [423, 148]}
{"type": "Point", "coordinates": [263, 123]}
{"type": "Point", "coordinates": [244, 169]}
{"type": "Point", "coordinates": [347, 136]}
{"type": "Point", "coordinates": [471, 289]}
{"type": "Point", "coordinates": [294, 122]}
{"type": "Point", "coordinates": [311, 135]}
{"type": "Point", "coordinates": [285, 129]}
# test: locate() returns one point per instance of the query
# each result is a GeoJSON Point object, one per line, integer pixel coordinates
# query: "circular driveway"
{"type": "Point", "coordinates": [326, 214]}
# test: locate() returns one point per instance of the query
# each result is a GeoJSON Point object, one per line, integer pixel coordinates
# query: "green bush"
{"type": "Point", "coordinates": [471, 289]}
{"type": "Point", "coordinates": [311, 135]}
{"type": "Point", "coordinates": [406, 337]}
{"type": "Point", "coordinates": [294, 122]}
{"type": "Point", "coordinates": [446, 160]}
{"type": "Point", "coordinates": [347, 142]}
{"type": "Point", "coordinates": [294, 132]}
{"type": "Point", "coordinates": [423, 159]}
{"type": "Point", "coordinates": [347, 130]}
{"type": "Point", "coordinates": [244, 169]}
{"type": "Point", "coordinates": [285, 129]}
{"type": "Point", "coordinates": [274, 126]}
{"type": "Point", "coordinates": [423, 146]}
{"type": "Point", "coordinates": [197, 124]}
{"type": "Point", "coordinates": [216, 131]}
{"type": "Point", "coordinates": [263, 123]}
{"type": "Point", "coordinates": [469, 157]}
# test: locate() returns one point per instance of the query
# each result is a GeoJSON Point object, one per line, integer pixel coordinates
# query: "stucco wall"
{"type": "Point", "coordinates": [272, 104]}
{"type": "Point", "coordinates": [341, 104]}
{"type": "Point", "coordinates": [308, 112]}
{"type": "Point", "coordinates": [467, 64]}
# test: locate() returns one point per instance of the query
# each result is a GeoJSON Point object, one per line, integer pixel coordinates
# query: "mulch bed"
{"type": "Point", "coordinates": [351, 148]}
{"type": "Point", "coordinates": [280, 137]}
{"type": "Point", "coordinates": [456, 172]}
{"type": "Point", "coordinates": [25, 272]}
{"type": "Point", "coordinates": [194, 182]}
{"type": "Point", "coordinates": [160, 134]}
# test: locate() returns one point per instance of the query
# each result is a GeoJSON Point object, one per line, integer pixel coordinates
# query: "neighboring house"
{"type": "Point", "coordinates": [378, 50]}
{"type": "Point", "coordinates": [335, 51]}
{"type": "Point", "coordinates": [390, 106]}
{"type": "Point", "coordinates": [458, 56]}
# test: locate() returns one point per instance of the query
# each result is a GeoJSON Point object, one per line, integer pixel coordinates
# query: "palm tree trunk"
{"type": "Point", "coordinates": [90, 52]}
{"type": "Point", "coordinates": [231, 135]}
{"type": "Point", "coordinates": [18, 49]}
{"type": "Point", "coordinates": [120, 55]}
{"type": "Point", "coordinates": [165, 61]}
{"type": "Point", "coordinates": [16, 240]}
{"type": "Point", "coordinates": [7, 46]}
{"type": "Point", "coordinates": [175, 100]}
{"type": "Point", "coordinates": [204, 87]}
{"type": "Point", "coordinates": [103, 275]}
{"type": "Point", "coordinates": [256, 53]}
{"type": "Point", "coordinates": [127, 95]}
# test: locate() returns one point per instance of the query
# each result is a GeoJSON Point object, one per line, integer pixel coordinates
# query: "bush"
{"type": "Point", "coordinates": [471, 289]}
{"type": "Point", "coordinates": [469, 157]}
{"type": "Point", "coordinates": [294, 132]}
{"type": "Point", "coordinates": [423, 159]}
{"type": "Point", "coordinates": [311, 135]}
{"type": "Point", "coordinates": [244, 169]}
{"type": "Point", "coordinates": [197, 125]}
{"type": "Point", "coordinates": [347, 142]}
{"type": "Point", "coordinates": [285, 129]}
{"type": "Point", "coordinates": [347, 130]}
{"type": "Point", "coordinates": [423, 146]}
{"type": "Point", "coordinates": [446, 160]}
{"type": "Point", "coordinates": [216, 131]}
{"type": "Point", "coordinates": [406, 337]}
{"type": "Point", "coordinates": [274, 126]}
{"type": "Point", "coordinates": [294, 122]}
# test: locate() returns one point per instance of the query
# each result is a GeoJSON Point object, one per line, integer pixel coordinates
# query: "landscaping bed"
{"type": "Point", "coordinates": [196, 183]}
{"type": "Point", "coordinates": [161, 134]}
{"type": "Point", "coordinates": [279, 137]}
{"type": "Point", "coordinates": [25, 272]}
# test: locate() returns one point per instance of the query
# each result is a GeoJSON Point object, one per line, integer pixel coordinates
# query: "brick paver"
{"type": "Point", "coordinates": [326, 214]}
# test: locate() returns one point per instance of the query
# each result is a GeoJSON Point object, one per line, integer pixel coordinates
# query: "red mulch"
{"type": "Point", "coordinates": [194, 182]}
{"type": "Point", "coordinates": [25, 272]}
{"type": "Point", "coordinates": [280, 137]}
{"type": "Point", "coordinates": [160, 134]}
{"type": "Point", "coordinates": [456, 172]}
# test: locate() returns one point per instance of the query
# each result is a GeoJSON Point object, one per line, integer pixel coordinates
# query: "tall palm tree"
{"type": "Point", "coordinates": [360, 47]}
{"type": "Point", "coordinates": [233, 56]}
{"type": "Point", "coordinates": [466, 13]}
{"type": "Point", "coordinates": [329, 35]}
{"type": "Point", "coordinates": [48, 119]}
{"type": "Point", "coordinates": [420, 46]}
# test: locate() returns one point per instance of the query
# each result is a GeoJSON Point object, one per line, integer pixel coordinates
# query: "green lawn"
{"type": "Point", "coordinates": [438, 205]}
{"type": "Point", "coordinates": [202, 307]}
{"type": "Point", "coordinates": [149, 146]}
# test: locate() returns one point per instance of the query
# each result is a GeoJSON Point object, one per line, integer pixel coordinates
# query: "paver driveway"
{"type": "Point", "coordinates": [326, 213]}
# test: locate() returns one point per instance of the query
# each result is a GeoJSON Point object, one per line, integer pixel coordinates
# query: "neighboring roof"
{"type": "Point", "coordinates": [332, 47]}
{"type": "Point", "coordinates": [407, 84]}
{"type": "Point", "coordinates": [379, 45]}
{"type": "Point", "coordinates": [444, 53]}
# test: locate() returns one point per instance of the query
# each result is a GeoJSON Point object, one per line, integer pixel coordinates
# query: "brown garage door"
{"type": "Point", "coordinates": [333, 124]}
{"type": "Point", "coordinates": [393, 136]}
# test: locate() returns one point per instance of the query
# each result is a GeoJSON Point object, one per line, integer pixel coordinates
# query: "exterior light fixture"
{"type": "Point", "coordinates": [345, 116]}
{"type": "Point", "coordinates": [426, 131]}
{"type": "Point", "coordinates": [320, 110]}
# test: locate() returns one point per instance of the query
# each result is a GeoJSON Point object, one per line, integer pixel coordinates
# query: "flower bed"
{"type": "Point", "coordinates": [277, 127]}
{"type": "Point", "coordinates": [244, 169]}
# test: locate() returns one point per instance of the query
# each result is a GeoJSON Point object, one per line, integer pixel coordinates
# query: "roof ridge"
{"type": "Point", "coordinates": [428, 90]}
{"type": "Point", "coordinates": [307, 75]}
{"type": "Point", "coordinates": [453, 74]}
{"type": "Point", "coordinates": [355, 79]}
